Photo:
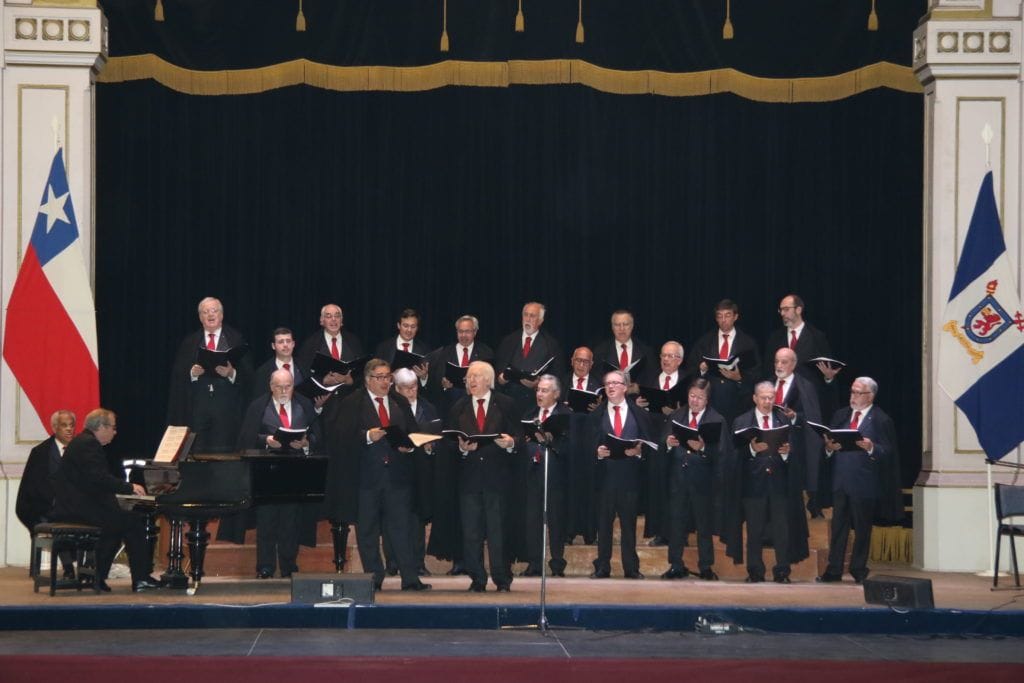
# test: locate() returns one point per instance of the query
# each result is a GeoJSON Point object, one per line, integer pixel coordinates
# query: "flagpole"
{"type": "Point", "coordinates": [989, 573]}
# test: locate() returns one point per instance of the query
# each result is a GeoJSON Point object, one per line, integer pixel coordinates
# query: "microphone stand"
{"type": "Point", "coordinates": [542, 623]}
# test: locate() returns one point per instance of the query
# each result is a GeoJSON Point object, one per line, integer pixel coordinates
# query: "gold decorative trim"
{"type": "Point", "coordinates": [86, 4]}
{"type": "Point", "coordinates": [503, 74]}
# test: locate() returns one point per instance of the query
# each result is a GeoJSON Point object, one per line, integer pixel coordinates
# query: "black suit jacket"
{"type": "Point", "coordinates": [84, 489]}
{"type": "Point", "coordinates": [261, 377]}
{"type": "Point", "coordinates": [544, 346]}
{"type": "Point", "coordinates": [487, 468]}
{"type": "Point", "coordinates": [855, 472]}
{"type": "Point", "coordinates": [351, 349]}
{"type": "Point", "coordinates": [558, 451]}
{"type": "Point", "coordinates": [440, 358]}
{"type": "Point", "coordinates": [593, 383]}
{"type": "Point", "coordinates": [357, 465]}
{"type": "Point", "coordinates": [35, 492]}
{"type": "Point", "coordinates": [386, 349]}
{"type": "Point", "coordinates": [693, 470]}
{"type": "Point", "coordinates": [805, 442]}
{"type": "Point", "coordinates": [727, 397]}
{"type": "Point", "coordinates": [812, 343]}
{"type": "Point", "coordinates": [622, 474]}
{"type": "Point", "coordinates": [608, 352]}
{"type": "Point", "coordinates": [262, 420]}
{"type": "Point", "coordinates": [182, 388]}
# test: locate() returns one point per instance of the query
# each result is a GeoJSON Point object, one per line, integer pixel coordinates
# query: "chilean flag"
{"type": "Point", "coordinates": [50, 333]}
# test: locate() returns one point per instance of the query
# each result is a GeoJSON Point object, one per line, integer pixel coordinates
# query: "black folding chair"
{"type": "Point", "coordinates": [1009, 503]}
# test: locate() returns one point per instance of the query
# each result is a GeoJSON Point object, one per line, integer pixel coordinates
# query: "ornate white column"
{"type": "Point", "coordinates": [967, 54]}
{"type": "Point", "coordinates": [52, 51]}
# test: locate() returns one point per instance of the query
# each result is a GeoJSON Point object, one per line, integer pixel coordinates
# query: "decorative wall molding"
{"type": "Point", "coordinates": [55, 29]}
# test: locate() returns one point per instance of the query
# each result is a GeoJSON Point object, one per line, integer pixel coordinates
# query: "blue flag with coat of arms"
{"type": "Point", "coordinates": [981, 345]}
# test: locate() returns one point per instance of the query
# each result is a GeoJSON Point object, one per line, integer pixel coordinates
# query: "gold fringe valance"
{"type": "Point", "coordinates": [503, 74]}
{"type": "Point", "coordinates": [892, 544]}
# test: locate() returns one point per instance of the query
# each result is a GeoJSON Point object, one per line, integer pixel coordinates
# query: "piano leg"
{"type": "Point", "coordinates": [152, 533]}
{"type": "Point", "coordinates": [339, 534]}
{"type": "Point", "coordinates": [198, 538]}
{"type": "Point", "coordinates": [174, 577]}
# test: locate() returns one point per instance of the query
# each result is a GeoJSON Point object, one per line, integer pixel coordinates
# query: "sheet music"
{"type": "Point", "coordinates": [171, 443]}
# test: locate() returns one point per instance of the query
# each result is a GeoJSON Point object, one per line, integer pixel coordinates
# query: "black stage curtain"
{"type": "Point", "coordinates": [475, 200]}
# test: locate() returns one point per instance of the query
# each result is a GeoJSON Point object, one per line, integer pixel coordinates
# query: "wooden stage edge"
{"type": "Point", "coordinates": [951, 591]}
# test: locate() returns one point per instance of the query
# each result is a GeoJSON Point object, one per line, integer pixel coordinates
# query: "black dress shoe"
{"type": "Point", "coordinates": [265, 574]}
{"type": "Point", "coordinates": [782, 579]}
{"type": "Point", "coordinates": [456, 570]}
{"type": "Point", "coordinates": [708, 575]}
{"type": "Point", "coordinates": [423, 571]}
{"type": "Point", "coordinates": [101, 587]}
{"type": "Point", "coordinates": [391, 570]}
{"type": "Point", "coordinates": [558, 572]}
{"type": "Point", "coordinates": [530, 571]}
{"type": "Point", "coordinates": [69, 574]}
{"type": "Point", "coordinates": [146, 584]}
{"type": "Point", "coordinates": [378, 585]}
{"type": "Point", "coordinates": [754, 579]}
{"type": "Point", "coordinates": [675, 573]}
{"type": "Point", "coordinates": [504, 588]}
{"type": "Point", "coordinates": [477, 587]}
{"type": "Point", "coordinates": [860, 579]}
{"type": "Point", "coordinates": [600, 574]}
{"type": "Point", "coordinates": [634, 575]}
{"type": "Point", "coordinates": [418, 586]}
{"type": "Point", "coordinates": [829, 578]}
{"type": "Point", "coordinates": [657, 542]}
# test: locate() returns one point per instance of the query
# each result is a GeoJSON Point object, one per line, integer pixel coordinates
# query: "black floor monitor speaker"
{"type": "Point", "coordinates": [899, 591]}
{"type": "Point", "coordinates": [319, 588]}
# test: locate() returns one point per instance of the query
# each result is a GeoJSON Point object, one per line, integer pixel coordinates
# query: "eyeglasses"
{"type": "Point", "coordinates": [859, 393]}
{"type": "Point", "coordinates": [783, 309]}
{"type": "Point", "coordinates": [385, 378]}
{"type": "Point", "coordinates": [615, 383]}
{"type": "Point", "coordinates": [670, 355]}
{"type": "Point", "coordinates": [584, 361]}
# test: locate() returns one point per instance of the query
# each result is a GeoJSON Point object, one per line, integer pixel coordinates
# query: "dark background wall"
{"type": "Point", "coordinates": [476, 200]}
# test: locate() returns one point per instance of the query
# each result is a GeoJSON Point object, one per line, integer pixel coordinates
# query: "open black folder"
{"type": "Point", "coordinates": [515, 374]}
{"type": "Point", "coordinates": [660, 398]}
{"type": "Point", "coordinates": [211, 359]}
{"type": "Point", "coordinates": [832, 363]}
{"type": "Point", "coordinates": [633, 369]}
{"type": "Point", "coordinates": [711, 432]}
{"type": "Point", "coordinates": [406, 359]}
{"type": "Point", "coordinates": [456, 374]}
{"type": "Point", "coordinates": [618, 446]}
{"type": "Point", "coordinates": [455, 435]}
{"type": "Point", "coordinates": [580, 400]}
{"type": "Point", "coordinates": [847, 438]}
{"type": "Point", "coordinates": [324, 364]}
{"type": "Point", "coordinates": [774, 437]}
{"type": "Point", "coordinates": [399, 438]}
{"type": "Point", "coordinates": [312, 389]}
{"type": "Point", "coordinates": [285, 436]}
{"type": "Point", "coordinates": [555, 425]}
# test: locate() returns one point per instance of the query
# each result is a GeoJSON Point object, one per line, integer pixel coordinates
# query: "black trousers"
{"type": "Point", "coordinates": [130, 528]}
{"type": "Point", "coordinates": [417, 537]}
{"type": "Point", "coordinates": [535, 520]}
{"type": "Point", "coordinates": [483, 516]}
{"type": "Point", "coordinates": [386, 507]}
{"type": "Point", "coordinates": [759, 512]}
{"type": "Point", "coordinates": [688, 510]}
{"type": "Point", "coordinates": [277, 537]}
{"type": "Point", "coordinates": [622, 503]}
{"type": "Point", "coordinates": [848, 512]}
{"type": "Point", "coordinates": [215, 419]}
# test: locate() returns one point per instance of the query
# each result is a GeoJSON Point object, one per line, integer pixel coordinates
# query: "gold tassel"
{"type": "Point", "coordinates": [444, 28]}
{"type": "Point", "coordinates": [873, 18]}
{"type": "Point", "coordinates": [520, 19]}
{"type": "Point", "coordinates": [579, 24]}
{"type": "Point", "coordinates": [300, 19]}
{"type": "Point", "coordinates": [158, 11]}
{"type": "Point", "coordinates": [727, 32]}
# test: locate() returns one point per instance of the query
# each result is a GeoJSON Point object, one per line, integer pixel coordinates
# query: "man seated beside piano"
{"type": "Point", "coordinates": [279, 421]}
{"type": "Point", "coordinates": [85, 491]}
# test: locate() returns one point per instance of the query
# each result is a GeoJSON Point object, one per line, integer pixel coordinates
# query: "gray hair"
{"type": "Point", "coordinates": [764, 385]}
{"type": "Point", "coordinates": [871, 384]}
{"type": "Point", "coordinates": [100, 417]}
{"type": "Point", "coordinates": [470, 318]}
{"type": "Point", "coordinates": [55, 418]}
{"type": "Point", "coordinates": [404, 377]}
{"type": "Point", "coordinates": [553, 380]}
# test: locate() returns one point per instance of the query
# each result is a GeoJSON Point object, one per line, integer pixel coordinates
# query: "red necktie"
{"type": "Point", "coordinates": [481, 416]}
{"type": "Point", "coordinates": [623, 358]}
{"type": "Point", "coordinates": [792, 339]}
{"type": "Point", "coordinates": [855, 421]}
{"type": "Point", "coordinates": [334, 349]}
{"type": "Point", "coordinates": [527, 345]}
{"type": "Point", "coordinates": [405, 346]}
{"type": "Point", "coordinates": [764, 422]}
{"type": "Point", "coordinates": [382, 412]}
{"type": "Point", "coordinates": [780, 394]}
{"type": "Point", "coordinates": [287, 366]}
{"type": "Point", "coordinates": [579, 383]}
{"type": "Point", "coordinates": [693, 420]}
{"type": "Point", "coordinates": [285, 422]}
{"type": "Point", "coordinates": [723, 352]}
{"type": "Point", "coordinates": [212, 343]}
{"type": "Point", "coordinates": [544, 416]}
{"type": "Point", "coordinates": [617, 423]}
{"type": "Point", "coordinates": [666, 387]}
{"type": "Point", "coordinates": [465, 357]}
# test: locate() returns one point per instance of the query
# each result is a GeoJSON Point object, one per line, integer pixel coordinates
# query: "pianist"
{"type": "Point", "coordinates": [85, 491]}
{"type": "Point", "coordinates": [280, 527]}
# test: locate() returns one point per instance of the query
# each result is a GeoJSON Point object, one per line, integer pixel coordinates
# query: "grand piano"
{"type": "Point", "coordinates": [205, 487]}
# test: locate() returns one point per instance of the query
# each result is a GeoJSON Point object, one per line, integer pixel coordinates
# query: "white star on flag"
{"type": "Point", "coordinates": [53, 207]}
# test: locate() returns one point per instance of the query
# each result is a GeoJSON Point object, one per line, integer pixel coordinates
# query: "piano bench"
{"type": "Point", "coordinates": [57, 537]}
